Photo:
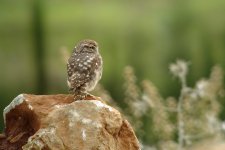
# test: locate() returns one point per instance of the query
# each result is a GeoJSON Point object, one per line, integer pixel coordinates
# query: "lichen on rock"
{"type": "Point", "coordinates": [16, 101]}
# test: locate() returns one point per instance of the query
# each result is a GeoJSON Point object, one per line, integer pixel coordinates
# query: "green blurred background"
{"type": "Point", "coordinates": [147, 35]}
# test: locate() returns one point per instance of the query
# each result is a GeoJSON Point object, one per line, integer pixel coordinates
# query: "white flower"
{"type": "Point", "coordinates": [179, 69]}
{"type": "Point", "coordinates": [201, 88]}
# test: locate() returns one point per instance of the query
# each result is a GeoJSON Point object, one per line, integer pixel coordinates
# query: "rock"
{"type": "Point", "coordinates": [56, 122]}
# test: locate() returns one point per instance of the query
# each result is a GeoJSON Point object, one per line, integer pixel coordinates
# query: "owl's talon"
{"type": "Point", "coordinates": [80, 97]}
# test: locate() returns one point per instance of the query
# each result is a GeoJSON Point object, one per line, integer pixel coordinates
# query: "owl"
{"type": "Point", "coordinates": [84, 69]}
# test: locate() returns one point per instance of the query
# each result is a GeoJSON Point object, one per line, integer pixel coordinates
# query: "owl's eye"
{"type": "Point", "coordinates": [92, 47]}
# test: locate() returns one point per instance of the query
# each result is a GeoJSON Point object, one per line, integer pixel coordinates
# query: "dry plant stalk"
{"type": "Point", "coordinates": [193, 117]}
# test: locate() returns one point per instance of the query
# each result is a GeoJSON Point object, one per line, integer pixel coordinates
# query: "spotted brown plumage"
{"type": "Point", "coordinates": [84, 68]}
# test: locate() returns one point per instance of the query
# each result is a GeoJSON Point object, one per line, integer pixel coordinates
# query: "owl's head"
{"type": "Point", "coordinates": [87, 46]}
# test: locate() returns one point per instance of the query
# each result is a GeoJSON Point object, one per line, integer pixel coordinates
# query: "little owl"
{"type": "Point", "coordinates": [84, 68]}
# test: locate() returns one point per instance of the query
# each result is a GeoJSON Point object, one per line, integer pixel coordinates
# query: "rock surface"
{"type": "Point", "coordinates": [56, 122]}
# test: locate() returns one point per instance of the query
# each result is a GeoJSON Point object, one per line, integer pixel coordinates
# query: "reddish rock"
{"type": "Point", "coordinates": [56, 122]}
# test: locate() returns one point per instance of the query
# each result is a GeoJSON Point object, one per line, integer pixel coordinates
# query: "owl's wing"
{"type": "Point", "coordinates": [80, 69]}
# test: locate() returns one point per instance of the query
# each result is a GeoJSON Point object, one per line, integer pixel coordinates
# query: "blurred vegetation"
{"type": "Point", "coordinates": [174, 123]}
{"type": "Point", "coordinates": [146, 35]}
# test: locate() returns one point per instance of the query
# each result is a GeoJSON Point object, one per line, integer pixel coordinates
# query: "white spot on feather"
{"type": "Point", "coordinates": [85, 63]}
{"type": "Point", "coordinates": [80, 65]}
